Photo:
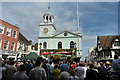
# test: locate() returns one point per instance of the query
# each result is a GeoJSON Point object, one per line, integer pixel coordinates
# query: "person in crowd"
{"type": "Point", "coordinates": [51, 69]}
{"type": "Point", "coordinates": [74, 65]}
{"type": "Point", "coordinates": [73, 76]}
{"type": "Point", "coordinates": [10, 70]}
{"type": "Point", "coordinates": [80, 71]}
{"type": "Point", "coordinates": [102, 74]}
{"type": "Point", "coordinates": [116, 63]}
{"type": "Point", "coordinates": [91, 74]}
{"type": "Point", "coordinates": [116, 67]}
{"type": "Point", "coordinates": [46, 66]}
{"type": "Point", "coordinates": [64, 75]}
{"type": "Point", "coordinates": [64, 66]}
{"type": "Point", "coordinates": [38, 73]}
{"type": "Point", "coordinates": [20, 75]}
{"type": "Point", "coordinates": [56, 73]}
{"type": "Point", "coordinates": [28, 66]}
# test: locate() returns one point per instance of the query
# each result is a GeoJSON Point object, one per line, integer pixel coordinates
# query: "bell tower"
{"type": "Point", "coordinates": [47, 28]}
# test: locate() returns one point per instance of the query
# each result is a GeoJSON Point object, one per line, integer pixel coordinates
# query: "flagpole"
{"type": "Point", "coordinates": [78, 19]}
{"type": "Point", "coordinates": [78, 29]}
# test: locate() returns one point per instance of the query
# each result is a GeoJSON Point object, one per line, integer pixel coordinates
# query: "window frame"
{"type": "Point", "coordinates": [45, 45]}
{"type": "Point", "coordinates": [13, 43]}
{"type": "Point", "coordinates": [72, 44]}
{"type": "Point", "coordinates": [59, 45]}
{"type": "Point", "coordinates": [3, 28]}
{"type": "Point", "coordinates": [0, 43]}
{"type": "Point", "coordinates": [7, 31]}
{"type": "Point", "coordinates": [15, 34]}
{"type": "Point", "coordinates": [7, 45]}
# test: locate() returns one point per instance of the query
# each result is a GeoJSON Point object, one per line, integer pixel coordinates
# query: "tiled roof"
{"type": "Point", "coordinates": [106, 41]}
{"type": "Point", "coordinates": [23, 39]}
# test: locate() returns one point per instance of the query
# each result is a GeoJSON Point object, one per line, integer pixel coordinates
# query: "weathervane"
{"type": "Point", "coordinates": [48, 6]}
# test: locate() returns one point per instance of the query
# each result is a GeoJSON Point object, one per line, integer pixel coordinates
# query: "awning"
{"type": "Point", "coordinates": [6, 52]}
{"type": "Point", "coordinates": [31, 56]}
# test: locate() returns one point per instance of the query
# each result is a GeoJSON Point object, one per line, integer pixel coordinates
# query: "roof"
{"type": "Point", "coordinates": [106, 41]}
{"type": "Point", "coordinates": [31, 56]}
{"type": "Point", "coordinates": [23, 39]}
{"type": "Point", "coordinates": [9, 23]}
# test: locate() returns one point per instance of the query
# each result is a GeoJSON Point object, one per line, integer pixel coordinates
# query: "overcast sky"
{"type": "Point", "coordinates": [96, 18]}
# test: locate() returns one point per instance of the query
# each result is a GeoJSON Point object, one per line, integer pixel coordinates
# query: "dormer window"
{"type": "Point", "coordinates": [117, 43]}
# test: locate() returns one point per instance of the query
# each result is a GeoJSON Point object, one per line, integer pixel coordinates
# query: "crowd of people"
{"type": "Point", "coordinates": [42, 69]}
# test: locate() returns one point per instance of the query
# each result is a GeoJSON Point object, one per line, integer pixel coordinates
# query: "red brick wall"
{"type": "Point", "coordinates": [9, 38]}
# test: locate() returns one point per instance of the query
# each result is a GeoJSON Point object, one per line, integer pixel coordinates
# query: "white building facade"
{"type": "Point", "coordinates": [63, 40]}
{"type": "Point", "coordinates": [107, 47]}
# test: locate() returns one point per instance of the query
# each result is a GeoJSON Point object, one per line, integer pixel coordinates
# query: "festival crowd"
{"type": "Point", "coordinates": [42, 69]}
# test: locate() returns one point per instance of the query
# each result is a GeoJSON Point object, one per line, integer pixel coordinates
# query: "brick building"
{"type": "Point", "coordinates": [8, 37]}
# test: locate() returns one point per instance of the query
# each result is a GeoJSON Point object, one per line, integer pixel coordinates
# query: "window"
{"type": "Point", "coordinates": [50, 18]}
{"type": "Point", "coordinates": [12, 46]}
{"type": "Point", "coordinates": [45, 45]}
{"type": "Point", "coordinates": [1, 29]}
{"type": "Point", "coordinates": [6, 44]}
{"type": "Point", "coordinates": [117, 43]}
{"type": "Point", "coordinates": [8, 31]}
{"type": "Point", "coordinates": [0, 43]}
{"type": "Point", "coordinates": [47, 18]}
{"type": "Point", "coordinates": [117, 52]}
{"type": "Point", "coordinates": [100, 46]}
{"type": "Point", "coordinates": [20, 46]}
{"type": "Point", "coordinates": [72, 45]}
{"type": "Point", "coordinates": [59, 45]}
{"type": "Point", "coordinates": [14, 34]}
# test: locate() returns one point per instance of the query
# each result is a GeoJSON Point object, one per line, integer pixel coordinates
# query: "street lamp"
{"type": "Point", "coordinates": [75, 45]}
{"type": "Point", "coordinates": [75, 49]}
{"type": "Point", "coordinates": [40, 48]}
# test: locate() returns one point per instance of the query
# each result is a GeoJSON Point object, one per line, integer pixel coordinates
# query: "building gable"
{"type": "Point", "coordinates": [67, 34]}
{"type": "Point", "coordinates": [107, 41]}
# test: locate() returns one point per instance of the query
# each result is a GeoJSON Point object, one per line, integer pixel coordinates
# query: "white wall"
{"type": "Point", "coordinates": [52, 43]}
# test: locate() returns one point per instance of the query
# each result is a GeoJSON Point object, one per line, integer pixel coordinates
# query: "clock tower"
{"type": "Point", "coordinates": [47, 28]}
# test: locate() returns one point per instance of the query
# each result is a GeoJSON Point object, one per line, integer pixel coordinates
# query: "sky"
{"type": "Point", "coordinates": [96, 19]}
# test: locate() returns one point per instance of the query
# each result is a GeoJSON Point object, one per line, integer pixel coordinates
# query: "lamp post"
{"type": "Point", "coordinates": [75, 49]}
{"type": "Point", "coordinates": [40, 48]}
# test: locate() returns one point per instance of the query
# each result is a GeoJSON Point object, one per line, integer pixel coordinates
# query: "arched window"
{"type": "Point", "coordinates": [50, 18]}
{"type": "Point", "coordinates": [45, 45]}
{"type": "Point", "coordinates": [47, 18]}
{"type": "Point", "coordinates": [72, 45]}
{"type": "Point", "coordinates": [59, 45]}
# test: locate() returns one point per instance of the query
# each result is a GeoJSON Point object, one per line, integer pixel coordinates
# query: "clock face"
{"type": "Point", "coordinates": [65, 34]}
{"type": "Point", "coordinates": [45, 30]}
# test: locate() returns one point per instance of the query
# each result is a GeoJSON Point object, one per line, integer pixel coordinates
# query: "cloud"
{"type": "Point", "coordinates": [60, 0]}
{"type": "Point", "coordinates": [68, 13]}
{"type": "Point", "coordinates": [95, 18]}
